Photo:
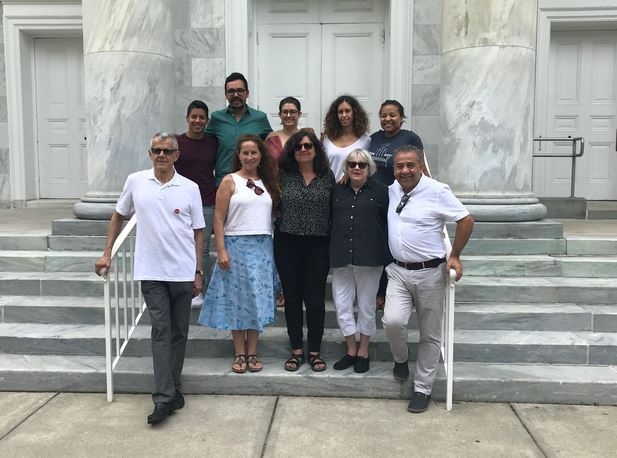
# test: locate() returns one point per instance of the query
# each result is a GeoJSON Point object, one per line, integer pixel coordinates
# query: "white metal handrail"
{"type": "Point", "coordinates": [121, 292]}
{"type": "Point", "coordinates": [447, 334]}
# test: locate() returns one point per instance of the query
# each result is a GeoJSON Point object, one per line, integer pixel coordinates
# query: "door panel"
{"type": "Point", "coordinates": [299, 47]}
{"type": "Point", "coordinates": [61, 120]}
{"type": "Point", "coordinates": [302, 53]}
{"type": "Point", "coordinates": [353, 64]}
{"type": "Point", "coordinates": [582, 102]}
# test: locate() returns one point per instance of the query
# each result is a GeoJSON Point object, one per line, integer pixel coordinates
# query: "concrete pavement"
{"type": "Point", "coordinates": [71, 425]}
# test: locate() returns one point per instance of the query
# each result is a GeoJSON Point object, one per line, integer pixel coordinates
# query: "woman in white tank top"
{"type": "Point", "coordinates": [242, 293]}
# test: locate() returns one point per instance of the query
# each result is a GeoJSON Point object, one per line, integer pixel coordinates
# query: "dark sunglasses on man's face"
{"type": "Point", "coordinates": [353, 165]}
{"type": "Point", "coordinates": [306, 146]}
{"type": "Point", "coordinates": [165, 151]}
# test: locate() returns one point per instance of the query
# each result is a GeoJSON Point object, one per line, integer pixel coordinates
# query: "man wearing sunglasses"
{"type": "Point", "coordinates": [168, 261]}
{"type": "Point", "coordinates": [418, 210]}
{"type": "Point", "coordinates": [235, 120]}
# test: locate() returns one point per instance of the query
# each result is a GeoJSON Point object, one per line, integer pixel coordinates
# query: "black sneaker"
{"type": "Point", "coordinates": [401, 371]}
{"type": "Point", "coordinates": [345, 362]}
{"type": "Point", "coordinates": [419, 402]}
{"type": "Point", "coordinates": [160, 413]}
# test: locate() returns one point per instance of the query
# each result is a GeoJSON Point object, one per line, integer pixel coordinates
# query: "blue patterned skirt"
{"type": "Point", "coordinates": [243, 297]}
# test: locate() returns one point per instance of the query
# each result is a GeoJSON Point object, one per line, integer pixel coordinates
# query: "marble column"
{"type": "Point", "coordinates": [130, 92]}
{"type": "Point", "coordinates": [487, 107]}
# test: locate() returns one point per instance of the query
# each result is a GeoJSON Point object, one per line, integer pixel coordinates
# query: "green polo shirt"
{"type": "Point", "coordinates": [226, 129]}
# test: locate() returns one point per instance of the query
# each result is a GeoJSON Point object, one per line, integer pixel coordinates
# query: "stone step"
{"type": "Point", "coordinates": [23, 242]}
{"type": "Point", "coordinates": [548, 347]}
{"type": "Point", "coordinates": [543, 229]}
{"type": "Point", "coordinates": [540, 266]}
{"type": "Point", "coordinates": [533, 383]}
{"type": "Point", "coordinates": [581, 291]}
{"type": "Point", "coordinates": [48, 261]}
{"type": "Point", "coordinates": [488, 316]}
{"type": "Point", "coordinates": [588, 245]}
{"type": "Point", "coordinates": [498, 246]}
{"type": "Point", "coordinates": [51, 284]}
{"type": "Point", "coordinates": [77, 242]}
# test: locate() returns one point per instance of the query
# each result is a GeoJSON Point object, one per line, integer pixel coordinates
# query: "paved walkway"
{"type": "Point", "coordinates": [71, 425]}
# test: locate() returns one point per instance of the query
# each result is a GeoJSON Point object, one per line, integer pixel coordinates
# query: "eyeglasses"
{"type": "Point", "coordinates": [353, 165]}
{"type": "Point", "coordinates": [165, 151]}
{"type": "Point", "coordinates": [402, 203]}
{"type": "Point", "coordinates": [289, 112]}
{"type": "Point", "coordinates": [251, 185]}
{"type": "Point", "coordinates": [306, 146]}
{"type": "Point", "coordinates": [232, 92]}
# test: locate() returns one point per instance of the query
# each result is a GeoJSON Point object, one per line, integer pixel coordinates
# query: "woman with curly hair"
{"type": "Point", "coordinates": [345, 129]}
{"type": "Point", "coordinates": [301, 243]}
{"type": "Point", "coordinates": [243, 288]}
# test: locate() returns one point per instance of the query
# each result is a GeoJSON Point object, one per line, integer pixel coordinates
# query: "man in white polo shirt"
{"type": "Point", "coordinates": [168, 257]}
{"type": "Point", "coordinates": [418, 209]}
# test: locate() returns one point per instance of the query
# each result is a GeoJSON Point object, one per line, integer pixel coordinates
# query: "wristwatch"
{"type": "Point", "coordinates": [200, 272]}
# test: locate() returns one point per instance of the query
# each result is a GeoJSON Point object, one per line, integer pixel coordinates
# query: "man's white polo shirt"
{"type": "Point", "coordinates": [416, 233]}
{"type": "Point", "coordinates": [167, 215]}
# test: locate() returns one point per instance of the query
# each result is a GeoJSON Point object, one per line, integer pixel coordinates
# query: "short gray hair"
{"type": "Point", "coordinates": [164, 136]}
{"type": "Point", "coordinates": [366, 157]}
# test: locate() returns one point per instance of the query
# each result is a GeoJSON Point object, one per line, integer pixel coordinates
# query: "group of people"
{"type": "Point", "coordinates": [285, 208]}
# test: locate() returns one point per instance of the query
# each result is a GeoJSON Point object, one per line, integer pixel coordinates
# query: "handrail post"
{"type": "Point", "coordinates": [573, 180]}
{"type": "Point", "coordinates": [450, 338]}
{"type": "Point", "coordinates": [108, 343]}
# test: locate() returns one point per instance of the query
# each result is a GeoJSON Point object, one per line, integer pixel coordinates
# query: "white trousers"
{"type": "Point", "coordinates": [347, 282]}
{"type": "Point", "coordinates": [423, 290]}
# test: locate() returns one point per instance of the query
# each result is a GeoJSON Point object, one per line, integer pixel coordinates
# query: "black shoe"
{"type": "Point", "coordinates": [177, 402]}
{"type": "Point", "coordinates": [401, 371]}
{"type": "Point", "coordinates": [419, 402]}
{"type": "Point", "coordinates": [160, 413]}
{"type": "Point", "coordinates": [345, 362]}
{"type": "Point", "coordinates": [361, 365]}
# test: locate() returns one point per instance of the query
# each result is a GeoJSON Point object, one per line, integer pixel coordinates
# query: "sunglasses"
{"type": "Point", "coordinates": [251, 185]}
{"type": "Point", "coordinates": [353, 165]}
{"type": "Point", "coordinates": [402, 203]}
{"type": "Point", "coordinates": [165, 151]}
{"type": "Point", "coordinates": [306, 146]}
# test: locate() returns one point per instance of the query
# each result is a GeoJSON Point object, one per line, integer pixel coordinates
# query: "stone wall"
{"type": "Point", "coordinates": [423, 117]}
{"type": "Point", "coordinates": [199, 33]}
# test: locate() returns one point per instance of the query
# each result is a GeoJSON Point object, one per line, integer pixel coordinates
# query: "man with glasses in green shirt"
{"type": "Point", "coordinates": [235, 120]}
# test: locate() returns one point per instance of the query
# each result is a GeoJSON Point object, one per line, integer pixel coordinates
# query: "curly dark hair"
{"type": "Point", "coordinates": [287, 160]}
{"type": "Point", "coordinates": [332, 126]}
{"type": "Point", "coordinates": [266, 169]}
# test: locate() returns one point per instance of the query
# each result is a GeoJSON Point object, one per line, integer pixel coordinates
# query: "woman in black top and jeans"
{"type": "Point", "coordinates": [301, 241]}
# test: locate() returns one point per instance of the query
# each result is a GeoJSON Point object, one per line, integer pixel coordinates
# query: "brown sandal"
{"type": "Point", "coordinates": [239, 365]}
{"type": "Point", "coordinates": [316, 363]}
{"type": "Point", "coordinates": [254, 364]}
{"type": "Point", "coordinates": [294, 362]}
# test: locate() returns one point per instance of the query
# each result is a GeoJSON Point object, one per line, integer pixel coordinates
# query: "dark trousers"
{"type": "Point", "coordinates": [302, 263]}
{"type": "Point", "coordinates": [169, 305]}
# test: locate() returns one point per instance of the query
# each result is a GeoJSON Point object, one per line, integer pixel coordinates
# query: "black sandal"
{"type": "Point", "coordinates": [294, 362]}
{"type": "Point", "coordinates": [317, 364]}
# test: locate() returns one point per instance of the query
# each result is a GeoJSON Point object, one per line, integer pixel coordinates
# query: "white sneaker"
{"type": "Point", "coordinates": [197, 301]}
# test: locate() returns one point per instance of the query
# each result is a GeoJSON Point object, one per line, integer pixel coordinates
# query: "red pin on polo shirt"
{"type": "Point", "coordinates": [177, 211]}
